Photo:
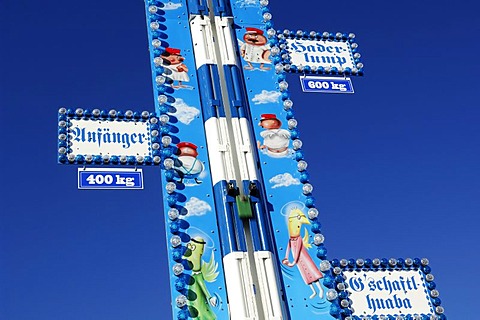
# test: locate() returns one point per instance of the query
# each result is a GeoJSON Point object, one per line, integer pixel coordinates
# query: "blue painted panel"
{"type": "Point", "coordinates": [196, 271]}
{"type": "Point", "coordinates": [291, 208]}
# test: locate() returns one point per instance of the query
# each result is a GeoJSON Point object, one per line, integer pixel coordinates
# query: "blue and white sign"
{"type": "Point", "coordinates": [110, 178]}
{"type": "Point", "coordinates": [101, 137]}
{"type": "Point", "coordinates": [326, 84]}
{"type": "Point", "coordinates": [377, 293]}
{"type": "Point", "coordinates": [321, 53]}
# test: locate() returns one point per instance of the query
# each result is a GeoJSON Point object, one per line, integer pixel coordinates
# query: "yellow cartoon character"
{"type": "Point", "coordinates": [309, 271]}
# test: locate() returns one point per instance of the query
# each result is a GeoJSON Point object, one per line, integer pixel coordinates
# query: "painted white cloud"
{"type": "Point", "coordinates": [266, 97]}
{"type": "Point", "coordinates": [283, 180]}
{"type": "Point", "coordinates": [197, 207]}
{"type": "Point", "coordinates": [171, 6]}
{"type": "Point", "coordinates": [246, 3]}
{"type": "Point", "coordinates": [185, 113]}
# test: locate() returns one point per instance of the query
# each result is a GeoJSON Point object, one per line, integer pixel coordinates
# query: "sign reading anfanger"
{"type": "Point", "coordinates": [108, 137]}
{"type": "Point", "coordinates": [389, 292]}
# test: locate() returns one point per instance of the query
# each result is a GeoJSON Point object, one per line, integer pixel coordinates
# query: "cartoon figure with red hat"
{"type": "Point", "coordinates": [186, 165]}
{"type": "Point", "coordinates": [255, 49]}
{"type": "Point", "coordinates": [275, 139]}
{"type": "Point", "coordinates": [177, 70]}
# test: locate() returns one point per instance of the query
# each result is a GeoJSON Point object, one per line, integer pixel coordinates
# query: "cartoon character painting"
{"type": "Point", "coordinates": [298, 245]}
{"type": "Point", "coordinates": [275, 139]}
{"type": "Point", "coordinates": [199, 298]}
{"type": "Point", "coordinates": [176, 69]}
{"type": "Point", "coordinates": [255, 49]}
{"type": "Point", "coordinates": [186, 165]}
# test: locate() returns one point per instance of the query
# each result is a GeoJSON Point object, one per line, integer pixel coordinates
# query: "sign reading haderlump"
{"type": "Point", "coordinates": [321, 53]}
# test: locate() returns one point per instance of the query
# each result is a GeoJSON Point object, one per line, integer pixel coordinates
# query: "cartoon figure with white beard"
{"type": "Point", "coordinates": [186, 165]}
{"type": "Point", "coordinates": [275, 139]}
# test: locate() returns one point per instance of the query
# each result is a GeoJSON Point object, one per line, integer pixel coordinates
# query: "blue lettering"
{"type": "Point", "coordinates": [356, 284]}
{"type": "Point", "coordinates": [103, 135]}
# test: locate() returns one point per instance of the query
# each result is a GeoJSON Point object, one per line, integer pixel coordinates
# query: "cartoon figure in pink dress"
{"type": "Point", "coordinates": [309, 271]}
{"type": "Point", "coordinates": [255, 49]}
{"type": "Point", "coordinates": [186, 165]}
{"type": "Point", "coordinates": [275, 139]}
{"type": "Point", "coordinates": [177, 70]}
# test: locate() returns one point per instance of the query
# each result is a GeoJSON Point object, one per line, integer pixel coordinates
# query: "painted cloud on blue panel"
{"type": "Point", "coordinates": [283, 180]}
{"type": "Point", "coordinates": [171, 6]}
{"type": "Point", "coordinates": [266, 97]}
{"type": "Point", "coordinates": [185, 113]}
{"type": "Point", "coordinates": [246, 3]}
{"type": "Point", "coordinates": [197, 207]}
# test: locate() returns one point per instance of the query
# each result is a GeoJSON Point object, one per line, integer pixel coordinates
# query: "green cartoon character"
{"type": "Point", "coordinates": [199, 298]}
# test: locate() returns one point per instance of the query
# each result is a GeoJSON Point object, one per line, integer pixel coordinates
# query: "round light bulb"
{"type": "Point", "coordinates": [160, 80]}
{"type": "Point", "coordinates": [164, 119]}
{"type": "Point", "coordinates": [312, 213]}
{"type": "Point", "coordinates": [173, 214]}
{"type": "Point", "coordinates": [318, 239]}
{"type": "Point", "coordinates": [152, 9]}
{"type": "Point", "coordinates": [297, 144]}
{"type": "Point", "coordinates": [168, 163]}
{"type": "Point", "coordinates": [283, 85]}
{"type": "Point", "coordinates": [178, 269]}
{"type": "Point", "coordinates": [287, 104]}
{"type": "Point", "coordinates": [154, 25]}
{"type": "Point", "coordinates": [325, 265]}
{"type": "Point", "coordinates": [166, 140]}
{"type": "Point", "coordinates": [181, 301]}
{"type": "Point", "coordinates": [156, 43]}
{"type": "Point", "coordinates": [292, 123]}
{"type": "Point", "coordinates": [175, 241]}
{"type": "Point", "coordinates": [307, 188]}
{"type": "Point", "coordinates": [162, 99]}
{"type": "Point", "coordinates": [267, 16]}
{"type": "Point", "coordinates": [158, 61]}
{"type": "Point", "coordinates": [331, 294]}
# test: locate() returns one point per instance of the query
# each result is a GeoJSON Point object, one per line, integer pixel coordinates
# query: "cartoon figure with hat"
{"type": "Point", "coordinates": [275, 139]}
{"type": "Point", "coordinates": [298, 245]}
{"type": "Point", "coordinates": [176, 69]}
{"type": "Point", "coordinates": [255, 49]}
{"type": "Point", "coordinates": [186, 165]}
{"type": "Point", "coordinates": [199, 298]}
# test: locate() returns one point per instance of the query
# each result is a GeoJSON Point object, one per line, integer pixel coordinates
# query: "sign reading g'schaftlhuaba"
{"type": "Point", "coordinates": [388, 292]}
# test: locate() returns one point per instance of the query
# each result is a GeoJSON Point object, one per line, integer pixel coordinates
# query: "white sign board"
{"type": "Point", "coordinates": [320, 53]}
{"type": "Point", "coordinates": [110, 137]}
{"type": "Point", "coordinates": [399, 292]}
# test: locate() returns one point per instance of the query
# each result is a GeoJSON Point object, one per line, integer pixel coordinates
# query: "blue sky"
{"type": "Point", "coordinates": [395, 166]}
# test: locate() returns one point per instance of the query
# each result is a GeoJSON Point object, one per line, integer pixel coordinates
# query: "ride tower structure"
{"type": "Point", "coordinates": [244, 237]}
